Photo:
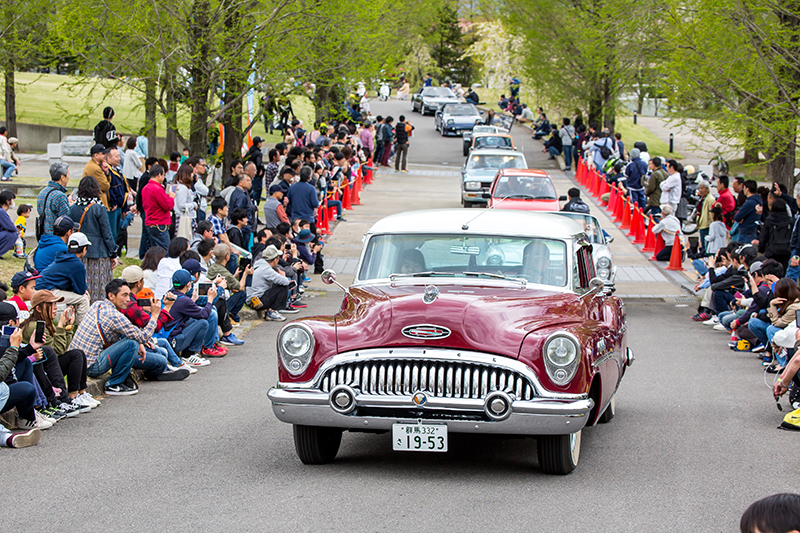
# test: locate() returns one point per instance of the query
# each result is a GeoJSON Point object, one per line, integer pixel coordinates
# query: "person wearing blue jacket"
{"type": "Point", "coordinates": [747, 216]}
{"type": "Point", "coordinates": [50, 245]}
{"type": "Point", "coordinates": [303, 199]}
{"type": "Point", "coordinates": [187, 330]}
{"type": "Point", "coordinates": [66, 276]}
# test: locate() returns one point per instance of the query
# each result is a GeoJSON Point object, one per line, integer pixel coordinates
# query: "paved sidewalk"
{"type": "Point", "coordinates": [695, 149]}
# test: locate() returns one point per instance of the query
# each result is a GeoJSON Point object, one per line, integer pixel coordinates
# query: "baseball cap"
{"type": "Point", "coordinates": [96, 149]}
{"type": "Point", "coordinates": [270, 252]}
{"type": "Point", "coordinates": [20, 278]}
{"type": "Point", "coordinates": [132, 274]}
{"type": "Point", "coordinates": [274, 189]}
{"type": "Point", "coordinates": [45, 296]}
{"type": "Point", "coordinates": [755, 267]}
{"type": "Point", "coordinates": [146, 293]}
{"type": "Point", "coordinates": [64, 224]}
{"type": "Point", "coordinates": [181, 278]}
{"type": "Point", "coordinates": [192, 266]}
{"type": "Point", "coordinates": [78, 240]}
{"type": "Point", "coordinates": [7, 312]}
{"type": "Point", "coordinates": [257, 140]}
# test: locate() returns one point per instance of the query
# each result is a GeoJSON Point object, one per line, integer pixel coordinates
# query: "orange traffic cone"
{"type": "Point", "coordinates": [626, 215]}
{"type": "Point", "coordinates": [322, 218]}
{"type": "Point", "coordinates": [619, 207]}
{"type": "Point", "coordinates": [634, 220]}
{"type": "Point", "coordinates": [368, 173]}
{"type": "Point", "coordinates": [346, 197]}
{"type": "Point", "coordinates": [659, 246]}
{"type": "Point", "coordinates": [581, 172]}
{"type": "Point", "coordinates": [604, 189]}
{"type": "Point", "coordinates": [676, 257]}
{"type": "Point", "coordinates": [330, 214]}
{"type": "Point", "coordinates": [595, 184]}
{"type": "Point", "coordinates": [649, 237]}
{"type": "Point", "coordinates": [356, 192]}
{"type": "Point", "coordinates": [612, 199]}
{"type": "Point", "coordinates": [640, 231]}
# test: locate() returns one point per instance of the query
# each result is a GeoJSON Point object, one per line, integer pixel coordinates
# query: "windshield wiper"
{"type": "Point", "coordinates": [530, 196]}
{"type": "Point", "coordinates": [496, 276]}
{"type": "Point", "coordinates": [421, 274]}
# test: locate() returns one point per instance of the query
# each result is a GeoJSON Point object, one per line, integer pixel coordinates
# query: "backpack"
{"type": "Point", "coordinates": [40, 218]}
{"type": "Point", "coordinates": [780, 237]}
{"type": "Point", "coordinates": [605, 151]}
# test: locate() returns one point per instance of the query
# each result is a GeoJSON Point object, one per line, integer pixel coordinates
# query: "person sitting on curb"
{"type": "Point", "coordinates": [169, 265]}
{"type": "Point", "coordinates": [66, 276]}
{"type": "Point", "coordinates": [111, 342]}
{"type": "Point", "coordinates": [187, 330]}
{"type": "Point", "coordinates": [50, 245]}
{"type": "Point", "coordinates": [669, 227]}
{"type": "Point", "coordinates": [575, 204]}
{"type": "Point", "coordinates": [190, 261]}
{"type": "Point", "coordinates": [270, 290]}
{"type": "Point", "coordinates": [23, 286]}
{"type": "Point", "coordinates": [140, 316]}
{"type": "Point", "coordinates": [19, 395]}
{"type": "Point", "coordinates": [235, 281]}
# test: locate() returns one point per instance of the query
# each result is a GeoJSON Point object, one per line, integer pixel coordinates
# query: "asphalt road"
{"type": "Point", "coordinates": [694, 442]}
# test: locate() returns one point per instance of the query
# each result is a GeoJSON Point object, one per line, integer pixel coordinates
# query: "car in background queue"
{"type": "Point", "coordinates": [480, 169]}
{"type": "Point", "coordinates": [456, 323]}
{"type": "Point", "coordinates": [455, 119]}
{"type": "Point", "coordinates": [524, 189]}
{"type": "Point", "coordinates": [428, 100]}
{"type": "Point", "coordinates": [498, 141]}
{"type": "Point", "coordinates": [499, 124]}
{"type": "Point", "coordinates": [603, 258]}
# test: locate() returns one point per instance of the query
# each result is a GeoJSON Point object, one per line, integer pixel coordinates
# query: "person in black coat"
{"type": "Point", "coordinates": [256, 156]}
{"type": "Point", "coordinates": [776, 233]}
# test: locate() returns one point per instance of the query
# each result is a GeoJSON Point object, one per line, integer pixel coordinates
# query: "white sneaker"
{"type": "Point", "coordinates": [90, 399]}
{"type": "Point", "coordinates": [196, 360]}
{"type": "Point", "coordinates": [720, 327]}
{"type": "Point", "coordinates": [712, 321]}
{"type": "Point", "coordinates": [41, 422]}
{"type": "Point", "coordinates": [191, 369]}
{"type": "Point", "coordinates": [82, 404]}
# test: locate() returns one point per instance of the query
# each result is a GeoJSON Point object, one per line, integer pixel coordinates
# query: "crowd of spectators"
{"type": "Point", "coordinates": [72, 318]}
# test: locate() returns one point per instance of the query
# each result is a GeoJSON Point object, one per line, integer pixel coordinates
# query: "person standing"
{"type": "Point", "coordinates": [567, 133]}
{"type": "Point", "coordinates": [726, 201]}
{"type": "Point", "coordinates": [388, 135]}
{"type": "Point", "coordinates": [274, 213]}
{"type": "Point", "coordinates": [428, 81]}
{"type": "Point", "coordinates": [102, 246]}
{"type": "Point", "coordinates": [52, 201]}
{"type": "Point", "coordinates": [240, 199]}
{"type": "Point", "coordinates": [653, 188]}
{"type": "Point", "coordinates": [105, 133]}
{"type": "Point", "coordinates": [635, 172]}
{"type": "Point", "coordinates": [747, 216]}
{"type": "Point", "coordinates": [94, 168]}
{"type": "Point", "coordinates": [118, 191]}
{"type": "Point", "coordinates": [401, 132]}
{"type": "Point", "coordinates": [185, 205]}
{"type": "Point", "coordinates": [671, 187]}
{"type": "Point", "coordinates": [157, 205]}
{"type": "Point", "coordinates": [133, 165]}
{"type": "Point", "coordinates": [303, 198]}
{"type": "Point", "coordinates": [255, 155]}
{"type": "Point", "coordinates": [704, 215]}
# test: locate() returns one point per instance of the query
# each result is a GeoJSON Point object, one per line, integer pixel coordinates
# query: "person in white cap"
{"type": "Point", "coordinates": [66, 275]}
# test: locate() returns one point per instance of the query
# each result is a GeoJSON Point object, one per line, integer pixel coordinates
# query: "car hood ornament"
{"type": "Point", "coordinates": [426, 331]}
{"type": "Point", "coordinates": [431, 293]}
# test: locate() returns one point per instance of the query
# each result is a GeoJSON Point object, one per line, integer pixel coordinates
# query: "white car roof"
{"type": "Point", "coordinates": [487, 222]}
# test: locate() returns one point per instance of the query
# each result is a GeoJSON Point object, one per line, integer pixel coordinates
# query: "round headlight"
{"type": "Point", "coordinates": [603, 262]}
{"type": "Point", "coordinates": [450, 121]}
{"type": "Point", "coordinates": [296, 346]}
{"type": "Point", "coordinates": [561, 357]}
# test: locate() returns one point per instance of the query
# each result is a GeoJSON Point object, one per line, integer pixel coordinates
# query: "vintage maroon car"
{"type": "Point", "coordinates": [459, 323]}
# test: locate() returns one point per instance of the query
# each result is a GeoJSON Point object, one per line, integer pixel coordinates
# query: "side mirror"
{"type": "Point", "coordinates": [596, 285]}
{"type": "Point", "coordinates": [562, 198]}
{"type": "Point", "coordinates": [328, 277]}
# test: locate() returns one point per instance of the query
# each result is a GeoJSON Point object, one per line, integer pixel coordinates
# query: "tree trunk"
{"type": "Point", "coordinates": [595, 110]}
{"type": "Point", "coordinates": [609, 107]}
{"type": "Point", "coordinates": [232, 126]}
{"type": "Point", "coordinates": [150, 115]}
{"type": "Point", "coordinates": [172, 121]}
{"type": "Point", "coordinates": [11, 100]}
{"type": "Point", "coordinates": [198, 131]}
{"type": "Point", "coordinates": [325, 101]}
{"type": "Point", "coordinates": [781, 166]}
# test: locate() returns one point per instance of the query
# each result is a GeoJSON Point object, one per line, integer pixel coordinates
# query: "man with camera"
{"type": "Point", "coordinates": [66, 275]}
{"type": "Point", "coordinates": [270, 290]}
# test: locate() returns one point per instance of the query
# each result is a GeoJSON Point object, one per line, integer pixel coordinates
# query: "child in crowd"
{"type": "Point", "coordinates": [23, 212]}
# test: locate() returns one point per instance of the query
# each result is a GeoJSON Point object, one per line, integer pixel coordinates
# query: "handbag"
{"type": "Point", "coordinates": [185, 227]}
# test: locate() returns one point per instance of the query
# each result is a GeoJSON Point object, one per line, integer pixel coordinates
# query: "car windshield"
{"type": "Point", "coordinates": [492, 141]}
{"type": "Point", "coordinates": [439, 92]}
{"type": "Point", "coordinates": [485, 129]}
{"type": "Point", "coordinates": [590, 226]}
{"type": "Point", "coordinates": [461, 110]}
{"type": "Point", "coordinates": [534, 187]}
{"type": "Point", "coordinates": [540, 261]}
{"type": "Point", "coordinates": [486, 161]}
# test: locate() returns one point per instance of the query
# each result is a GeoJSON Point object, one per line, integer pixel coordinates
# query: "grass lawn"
{"type": "Point", "coordinates": [636, 132]}
{"type": "Point", "coordinates": [54, 100]}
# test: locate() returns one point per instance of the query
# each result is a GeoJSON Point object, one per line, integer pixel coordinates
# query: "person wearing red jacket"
{"type": "Point", "coordinates": [157, 204]}
{"type": "Point", "coordinates": [726, 201]}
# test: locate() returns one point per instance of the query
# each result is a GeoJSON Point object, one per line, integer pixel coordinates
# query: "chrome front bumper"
{"type": "Point", "coordinates": [538, 416]}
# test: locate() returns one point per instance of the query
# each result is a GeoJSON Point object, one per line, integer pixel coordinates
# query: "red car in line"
{"type": "Point", "coordinates": [524, 189]}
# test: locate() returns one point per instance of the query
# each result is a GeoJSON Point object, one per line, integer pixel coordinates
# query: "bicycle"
{"type": "Point", "coordinates": [719, 162]}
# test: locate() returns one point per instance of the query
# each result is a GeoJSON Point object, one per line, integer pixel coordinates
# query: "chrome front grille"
{"type": "Point", "coordinates": [440, 379]}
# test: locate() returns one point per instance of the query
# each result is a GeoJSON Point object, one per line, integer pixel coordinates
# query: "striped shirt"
{"type": "Point", "coordinates": [113, 326]}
